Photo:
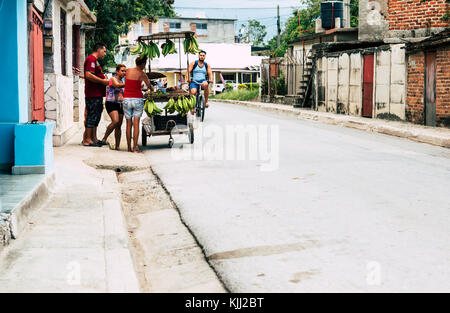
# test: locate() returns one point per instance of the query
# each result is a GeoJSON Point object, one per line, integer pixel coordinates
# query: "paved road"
{"type": "Point", "coordinates": [345, 210]}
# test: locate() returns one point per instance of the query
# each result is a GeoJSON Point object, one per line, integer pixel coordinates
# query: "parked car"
{"type": "Point", "coordinates": [221, 87]}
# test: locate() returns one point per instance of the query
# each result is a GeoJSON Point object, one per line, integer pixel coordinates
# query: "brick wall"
{"type": "Point", "coordinates": [415, 88]}
{"type": "Point", "coordinates": [417, 14]}
{"type": "Point", "coordinates": [443, 87]}
{"type": "Point", "coordinates": [415, 91]}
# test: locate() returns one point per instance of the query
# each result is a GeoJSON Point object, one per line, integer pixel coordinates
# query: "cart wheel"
{"type": "Point", "coordinates": [171, 142]}
{"type": "Point", "coordinates": [191, 133]}
{"type": "Point", "coordinates": [144, 137]}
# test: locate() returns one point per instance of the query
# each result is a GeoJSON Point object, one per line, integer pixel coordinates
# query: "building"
{"type": "Point", "coordinates": [382, 74]}
{"type": "Point", "coordinates": [65, 26]}
{"type": "Point", "coordinates": [25, 148]}
{"type": "Point", "coordinates": [428, 90]}
{"type": "Point", "coordinates": [208, 30]}
{"type": "Point", "coordinates": [230, 61]}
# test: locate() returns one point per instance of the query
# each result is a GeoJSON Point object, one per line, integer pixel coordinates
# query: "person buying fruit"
{"type": "Point", "coordinates": [200, 74]}
{"type": "Point", "coordinates": [114, 104]}
{"type": "Point", "coordinates": [133, 102]}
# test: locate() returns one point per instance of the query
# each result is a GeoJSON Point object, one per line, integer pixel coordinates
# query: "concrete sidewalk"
{"type": "Point", "coordinates": [77, 241]}
{"type": "Point", "coordinates": [432, 135]}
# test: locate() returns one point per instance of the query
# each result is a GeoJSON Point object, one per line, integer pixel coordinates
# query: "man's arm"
{"type": "Point", "coordinates": [188, 74]}
{"type": "Point", "coordinates": [210, 74]}
{"type": "Point", "coordinates": [95, 79]}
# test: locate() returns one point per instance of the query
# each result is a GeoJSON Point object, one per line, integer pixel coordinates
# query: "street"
{"type": "Point", "coordinates": [329, 209]}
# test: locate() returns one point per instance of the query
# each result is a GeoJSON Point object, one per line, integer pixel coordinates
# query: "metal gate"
{"type": "Point", "coordinates": [37, 67]}
{"type": "Point", "coordinates": [367, 105]}
{"type": "Point", "coordinates": [430, 88]}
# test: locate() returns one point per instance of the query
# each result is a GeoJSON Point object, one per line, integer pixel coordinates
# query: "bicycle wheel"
{"type": "Point", "coordinates": [198, 110]}
{"type": "Point", "coordinates": [203, 108]}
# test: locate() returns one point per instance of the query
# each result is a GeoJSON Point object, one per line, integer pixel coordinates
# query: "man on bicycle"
{"type": "Point", "coordinates": [200, 74]}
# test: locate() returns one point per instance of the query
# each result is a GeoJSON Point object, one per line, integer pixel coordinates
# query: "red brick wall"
{"type": "Point", "coordinates": [416, 14]}
{"type": "Point", "coordinates": [443, 87]}
{"type": "Point", "coordinates": [415, 88]}
{"type": "Point", "coordinates": [416, 85]}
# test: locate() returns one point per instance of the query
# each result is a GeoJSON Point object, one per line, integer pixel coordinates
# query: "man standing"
{"type": "Point", "coordinates": [197, 75]}
{"type": "Point", "coordinates": [94, 91]}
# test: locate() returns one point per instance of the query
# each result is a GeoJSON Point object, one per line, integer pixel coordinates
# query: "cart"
{"type": "Point", "coordinates": [167, 124]}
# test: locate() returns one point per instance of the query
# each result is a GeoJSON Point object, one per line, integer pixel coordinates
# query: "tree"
{"type": "Point", "coordinates": [255, 32]}
{"type": "Point", "coordinates": [308, 18]}
{"type": "Point", "coordinates": [114, 17]}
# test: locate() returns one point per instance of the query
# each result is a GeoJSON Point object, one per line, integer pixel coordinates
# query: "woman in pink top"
{"type": "Point", "coordinates": [133, 104]}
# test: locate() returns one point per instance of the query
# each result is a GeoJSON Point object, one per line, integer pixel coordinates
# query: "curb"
{"type": "Point", "coordinates": [12, 224]}
{"type": "Point", "coordinates": [425, 134]}
{"type": "Point", "coordinates": [120, 273]}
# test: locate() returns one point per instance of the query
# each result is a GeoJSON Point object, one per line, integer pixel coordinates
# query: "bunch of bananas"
{"type": "Point", "coordinates": [191, 45]}
{"type": "Point", "coordinates": [181, 105]}
{"type": "Point", "coordinates": [149, 51]}
{"type": "Point", "coordinates": [168, 47]}
{"type": "Point", "coordinates": [151, 108]}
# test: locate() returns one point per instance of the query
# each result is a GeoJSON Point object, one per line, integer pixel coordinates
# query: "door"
{"type": "Point", "coordinates": [37, 67]}
{"type": "Point", "coordinates": [367, 106]}
{"type": "Point", "coordinates": [430, 88]}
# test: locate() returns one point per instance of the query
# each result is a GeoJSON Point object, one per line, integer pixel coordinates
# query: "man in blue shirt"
{"type": "Point", "coordinates": [200, 74]}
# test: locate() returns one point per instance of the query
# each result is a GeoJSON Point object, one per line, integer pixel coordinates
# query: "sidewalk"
{"type": "Point", "coordinates": [77, 241]}
{"type": "Point", "coordinates": [437, 136]}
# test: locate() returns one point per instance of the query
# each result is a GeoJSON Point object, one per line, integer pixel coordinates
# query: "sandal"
{"type": "Point", "coordinates": [92, 144]}
{"type": "Point", "coordinates": [101, 143]}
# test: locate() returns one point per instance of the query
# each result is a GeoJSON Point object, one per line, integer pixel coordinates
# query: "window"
{"type": "Point", "coordinates": [138, 30]}
{"type": "Point", "coordinates": [76, 61]}
{"type": "Point", "coordinates": [63, 42]}
{"type": "Point", "coordinates": [175, 27]}
{"type": "Point", "coordinates": [202, 29]}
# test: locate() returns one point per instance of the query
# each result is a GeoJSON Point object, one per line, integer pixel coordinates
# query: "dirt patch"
{"type": "Point", "coordinates": [165, 255]}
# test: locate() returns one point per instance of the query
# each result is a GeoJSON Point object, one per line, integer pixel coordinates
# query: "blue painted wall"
{"type": "Point", "coordinates": [14, 102]}
{"type": "Point", "coordinates": [13, 31]}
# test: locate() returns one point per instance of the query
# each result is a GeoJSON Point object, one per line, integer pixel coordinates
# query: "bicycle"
{"type": "Point", "coordinates": [200, 107]}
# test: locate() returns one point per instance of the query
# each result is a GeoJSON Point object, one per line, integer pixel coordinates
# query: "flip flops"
{"type": "Point", "coordinates": [92, 144]}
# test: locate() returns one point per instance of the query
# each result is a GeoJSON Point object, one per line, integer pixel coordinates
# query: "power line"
{"type": "Point", "coordinates": [176, 7]}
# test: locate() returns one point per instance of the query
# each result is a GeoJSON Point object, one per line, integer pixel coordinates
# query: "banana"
{"type": "Point", "coordinates": [137, 49]}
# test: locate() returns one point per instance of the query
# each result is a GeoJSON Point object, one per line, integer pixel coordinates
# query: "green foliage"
{"type": "Point", "coordinates": [281, 85]}
{"type": "Point", "coordinates": [229, 87]}
{"type": "Point", "coordinates": [241, 95]}
{"type": "Point", "coordinates": [255, 32]}
{"type": "Point", "coordinates": [253, 86]}
{"type": "Point", "coordinates": [308, 18]}
{"type": "Point", "coordinates": [242, 87]}
{"type": "Point", "coordinates": [114, 17]}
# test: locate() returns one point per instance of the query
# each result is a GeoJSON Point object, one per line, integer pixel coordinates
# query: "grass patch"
{"type": "Point", "coordinates": [241, 95]}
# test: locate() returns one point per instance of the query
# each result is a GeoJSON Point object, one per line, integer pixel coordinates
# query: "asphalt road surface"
{"type": "Point", "coordinates": [310, 207]}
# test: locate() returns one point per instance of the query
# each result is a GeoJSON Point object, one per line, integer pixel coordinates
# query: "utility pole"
{"type": "Point", "coordinates": [279, 26]}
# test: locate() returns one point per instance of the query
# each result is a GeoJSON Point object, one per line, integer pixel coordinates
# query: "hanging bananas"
{"type": "Point", "coordinates": [181, 105]}
{"type": "Point", "coordinates": [151, 108]}
{"type": "Point", "coordinates": [168, 47]}
{"type": "Point", "coordinates": [191, 45]}
{"type": "Point", "coordinates": [137, 50]}
{"type": "Point", "coordinates": [150, 51]}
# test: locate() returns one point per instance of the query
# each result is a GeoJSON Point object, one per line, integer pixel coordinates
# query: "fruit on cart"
{"type": "Point", "coordinates": [151, 108]}
{"type": "Point", "coordinates": [191, 45]}
{"type": "Point", "coordinates": [150, 51]}
{"type": "Point", "coordinates": [168, 47]}
{"type": "Point", "coordinates": [138, 49]}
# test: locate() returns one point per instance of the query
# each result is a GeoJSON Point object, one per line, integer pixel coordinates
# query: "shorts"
{"type": "Point", "coordinates": [94, 109]}
{"type": "Point", "coordinates": [133, 107]}
{"type": "Point", "coordinates": [114, 106]}
{"type": "Point", "coordinates": [195, 85]}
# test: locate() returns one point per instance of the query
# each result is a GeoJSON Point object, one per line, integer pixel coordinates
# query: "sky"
{"type": "Point", "coordinates": [264, 11]}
